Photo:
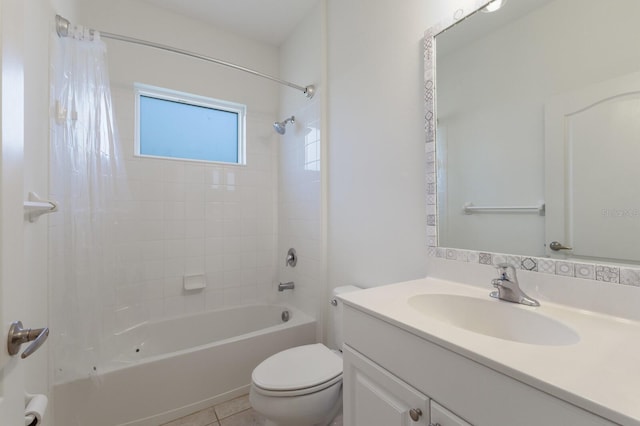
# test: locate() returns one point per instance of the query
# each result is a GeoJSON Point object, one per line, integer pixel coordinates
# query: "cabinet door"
{"type": "Point", "coordinates": [440, 416]}
{"type": "Point", "coordinates": [374, 397]}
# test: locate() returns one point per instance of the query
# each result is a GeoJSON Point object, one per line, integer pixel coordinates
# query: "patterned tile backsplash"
{"type": "Point", "coordinates": [587, 271]}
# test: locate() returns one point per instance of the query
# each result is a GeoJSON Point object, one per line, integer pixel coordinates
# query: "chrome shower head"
{"type": "Point", "coordinates": [280, 126]}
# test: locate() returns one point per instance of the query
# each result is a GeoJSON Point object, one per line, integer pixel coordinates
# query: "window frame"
{"type": "Point", "coordinates": [170, 95]}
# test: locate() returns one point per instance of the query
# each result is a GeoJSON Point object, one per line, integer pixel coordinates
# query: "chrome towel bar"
{"type": "Point", "coordinates": [469, 208]}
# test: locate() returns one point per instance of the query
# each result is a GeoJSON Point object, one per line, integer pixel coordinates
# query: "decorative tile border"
{"type": "Point", "coordinates": [630, 276]}
{"type": "Point", "coordinates": [529, 264]}
{"type": "Point", "coordinates": [429, 117]}
{"type": "Point", "coordinates": [587, 271]}
{"type": "Point", "coordinates": [543, 265]}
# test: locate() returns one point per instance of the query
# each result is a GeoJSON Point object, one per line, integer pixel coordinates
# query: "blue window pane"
{"type": "Point", "coordinates": [179, 130]}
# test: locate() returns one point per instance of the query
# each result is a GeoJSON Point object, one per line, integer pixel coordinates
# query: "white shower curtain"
{"type": "Point", "coordinates": [85, 175]}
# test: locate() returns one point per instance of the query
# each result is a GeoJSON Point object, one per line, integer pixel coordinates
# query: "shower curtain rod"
{"type": "Point", "coordinates": [62, 28]}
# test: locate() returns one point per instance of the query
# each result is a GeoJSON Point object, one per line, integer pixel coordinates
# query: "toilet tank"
{"type": "Point", "coordinates": [335, 316]}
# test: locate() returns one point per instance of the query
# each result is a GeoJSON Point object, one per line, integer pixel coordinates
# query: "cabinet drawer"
{"type": "Point", "coordinates": [440, 416]}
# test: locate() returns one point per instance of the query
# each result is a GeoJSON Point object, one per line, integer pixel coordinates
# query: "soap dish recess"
{"type": "Point", "coordinates": [194, 282]}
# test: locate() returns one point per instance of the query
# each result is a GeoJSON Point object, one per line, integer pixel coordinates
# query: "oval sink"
{"type": "Point", "coordinates": [500, 319]}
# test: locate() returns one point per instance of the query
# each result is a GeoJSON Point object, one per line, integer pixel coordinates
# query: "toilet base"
{"type": "Point", "coordinates": [336, 421]}
{"type": "Point", "coordinates": [317, 409]}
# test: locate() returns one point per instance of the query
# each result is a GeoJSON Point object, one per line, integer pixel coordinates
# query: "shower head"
{"type": "Point", "coordinates": [280, 126]}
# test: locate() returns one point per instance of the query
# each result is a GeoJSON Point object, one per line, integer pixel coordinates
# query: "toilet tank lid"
{"type": "Point", "coordinates": [300, 367]}
{"type": "Point", "coordinates": [345, 289]}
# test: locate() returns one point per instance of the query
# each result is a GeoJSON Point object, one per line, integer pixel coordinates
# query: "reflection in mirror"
{"type": "Point", "coordinates": [538, 112]}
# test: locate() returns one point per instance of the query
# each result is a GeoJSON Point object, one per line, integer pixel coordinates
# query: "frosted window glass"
{"type": "Point", "coordinates": [180, 130]}
{"type": "Point", "coordinates": [178, 125]}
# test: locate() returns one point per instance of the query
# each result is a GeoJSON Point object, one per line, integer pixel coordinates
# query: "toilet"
{"type": "Point", "coordinates": [302, 386]}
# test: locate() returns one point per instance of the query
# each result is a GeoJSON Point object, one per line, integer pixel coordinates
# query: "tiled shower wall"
{"type": "Point", "coordinates": [186, 219]}
{"type": "Point", "coordinates": [301, 167]}
{"type": "Point", "coordinates": [183, 218]}
{"type": "Point", "coordinates": [300, 209]}
{"type": "Point", "coordinates": [196, 218]}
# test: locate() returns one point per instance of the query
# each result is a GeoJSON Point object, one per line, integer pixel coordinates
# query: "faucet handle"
{"type": "Point", "coordinates": [292, 258]}
{"type": "Point", "coordinates": [507, 271]}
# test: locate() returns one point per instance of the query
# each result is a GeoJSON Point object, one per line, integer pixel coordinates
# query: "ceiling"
{"type": "Point", "coordinates": [269, 21]}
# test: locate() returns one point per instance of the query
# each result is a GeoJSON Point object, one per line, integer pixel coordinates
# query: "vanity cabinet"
{"type": "Point", "coordinates": [388, 371]}
{"type": "Point", "coordinates": [443, 417]}
{"type": "Point", "coordinates": [375, 397]}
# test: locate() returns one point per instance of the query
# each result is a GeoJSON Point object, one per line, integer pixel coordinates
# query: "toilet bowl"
{"type": "Point", "coordinates": [301, 386]}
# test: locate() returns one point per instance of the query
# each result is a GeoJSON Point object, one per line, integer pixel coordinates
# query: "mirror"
{"type": "Point", "coordinates": [537, 132]}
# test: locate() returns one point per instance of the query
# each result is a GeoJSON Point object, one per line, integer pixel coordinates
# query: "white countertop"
{"type": "Point", "coordinates": [600, 373]}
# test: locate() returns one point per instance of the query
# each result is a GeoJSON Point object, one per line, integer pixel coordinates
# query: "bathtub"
{"type": "Point", "coordinates": [167, 369]}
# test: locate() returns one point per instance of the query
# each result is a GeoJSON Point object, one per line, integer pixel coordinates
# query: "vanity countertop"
{"type": "Point", "coordinates": [600, 373]}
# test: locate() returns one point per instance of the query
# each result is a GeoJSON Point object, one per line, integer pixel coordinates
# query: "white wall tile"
{"type": "Point", "coordinates": [152, 250]}
{"type": "Point", "coordinates": [174, 191]}
{"type": "Point", "coordinates": [182, 217]}
{"type": "Point", "coordinates": [174, 267]}
{"type": "Point", "coordinates": [194, 174]}
{"type": "Point", "coordinates": [194, 210]}
{"type": "Point", "coordinates": [231, 262]}
{"type": "Point", "coordinates": [172, 287]}
{"type": "Point", "coordinates": [299, 193]}
{"type": "Point", "coordinates": [194, 229]}
{"type": "Point", "coordinates": [174, 306]}
{"type": "Point", "coordinates": [214, 299]}
{"type": "Point", "coordinates": [232, 278]}
{"type": "Point", "coordinates": [173, 171]}
{"type": "Point", "coordinates": [194, 247]}
{"type": "Point", "coordinates": [174, 211]}
{"type": "Point", "coordinates": [147, 230]}
{"type": "Point", "coordinates": [174, 229]}
{"type": "Point", "coordinates": [194, 302]}
{"type": "Point", "coordinates": [195, 191]}
{"type": "Point", "coordinates": [215, 280]}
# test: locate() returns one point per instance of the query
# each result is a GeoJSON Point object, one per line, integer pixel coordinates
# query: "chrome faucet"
{"type": "Point", "coordinates": [508, 287]}
{"type": "Point", "coordinates": [286, 286]}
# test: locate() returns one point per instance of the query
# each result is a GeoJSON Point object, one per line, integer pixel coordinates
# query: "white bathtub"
{"type": "Point", "coordinates": [174, 367]}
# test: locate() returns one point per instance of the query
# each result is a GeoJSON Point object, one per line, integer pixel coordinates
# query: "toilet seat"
{"type": "Point", "coordinates": [298, 371]}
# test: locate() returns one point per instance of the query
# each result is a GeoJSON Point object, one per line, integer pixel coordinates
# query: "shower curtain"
{"type": "Point", "coordinates": [86, 172]}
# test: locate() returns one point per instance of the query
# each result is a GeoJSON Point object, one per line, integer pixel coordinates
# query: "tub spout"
{"type": "Point", "coordinates": [286, 286]}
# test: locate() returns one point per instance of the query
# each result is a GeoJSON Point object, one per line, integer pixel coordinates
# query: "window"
{"type": "Point", "coordinates": [177, 125]}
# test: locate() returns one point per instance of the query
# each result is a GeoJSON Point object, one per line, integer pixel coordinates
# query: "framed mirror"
{"type": "Point", "coordinates": [533, 132]}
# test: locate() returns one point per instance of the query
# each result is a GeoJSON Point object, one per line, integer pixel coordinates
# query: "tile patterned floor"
{"type": "Point", "coordinates": [237, 412]}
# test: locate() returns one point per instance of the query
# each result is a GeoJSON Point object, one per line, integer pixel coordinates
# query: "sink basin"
{"type": "Point", "coordinates": [495, 318]}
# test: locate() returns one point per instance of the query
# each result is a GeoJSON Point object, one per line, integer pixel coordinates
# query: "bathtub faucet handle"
{"type": "Point", "coordinates": [292, 258]}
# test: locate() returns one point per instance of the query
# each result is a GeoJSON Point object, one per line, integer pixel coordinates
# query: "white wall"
{"type": "Point", "coordinates": [301, 166]}
{"type": "Point", "coordinates": [376, 206]}
{"type": "Point", "coordinates": [183, 217]}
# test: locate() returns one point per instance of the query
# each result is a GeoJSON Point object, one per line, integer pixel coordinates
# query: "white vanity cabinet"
{"type": "Point", "coordinates": [374, 397]}
{"type": "Point", "coordinates": [389, 371]}
{"type": "Point", "coordinates": [440, 416]}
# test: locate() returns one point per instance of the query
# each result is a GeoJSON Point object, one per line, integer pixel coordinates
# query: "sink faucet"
{"type": "Point", "coordinates": [508, 287]}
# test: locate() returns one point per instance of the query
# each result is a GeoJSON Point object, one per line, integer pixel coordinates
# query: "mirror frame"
{"type": "Point", "coordinates": [627, 275]}
{"type": "Point", "coordinates": [430, 116]}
